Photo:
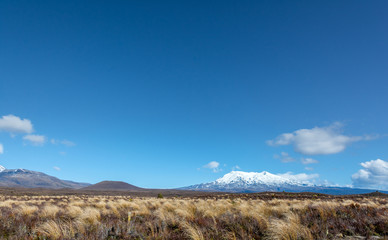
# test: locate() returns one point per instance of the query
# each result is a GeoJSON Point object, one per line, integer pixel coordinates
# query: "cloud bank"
{"type": "Point", "coordinates": [317, 140]}
{"type": "Point", "coordinates": [374, 174]}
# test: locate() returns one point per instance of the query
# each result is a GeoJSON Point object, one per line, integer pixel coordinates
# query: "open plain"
{"type": "Point", "coordinates": [65, 214]}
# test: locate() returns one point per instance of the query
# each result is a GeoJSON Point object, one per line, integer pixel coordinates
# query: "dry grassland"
{"type": "Point", "coordinates": [121, 217]}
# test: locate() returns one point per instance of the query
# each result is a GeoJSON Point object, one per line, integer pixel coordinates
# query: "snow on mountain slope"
{"type": "Point", "coordinates": [244, 182]}
{"type": "Point", "coordinates": [2, 168]}
{"type": "Point", "coordinates": [238, 181]}
{"type": "Point", "coordinates": [250, 178]}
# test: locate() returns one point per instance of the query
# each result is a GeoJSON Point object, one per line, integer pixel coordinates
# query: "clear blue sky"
{"type": "Point", "coordinates": [150, 92]}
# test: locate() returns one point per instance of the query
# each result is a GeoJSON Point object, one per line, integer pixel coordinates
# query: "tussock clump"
{"type": "Point", "coordinates": [26, 209]}
{"type": "Point", "coordinates": [90, 216]}
{"type": "Point", "coordinates": [73, 211]}
{"type": "Point", "coordinates": [49, 211]}
{"type": "Point", "coordinates": [50, 229]}
{"type": "Point", "coordinates": [288, 229]}
{"type": "Point", "coordinates": [192, 231]}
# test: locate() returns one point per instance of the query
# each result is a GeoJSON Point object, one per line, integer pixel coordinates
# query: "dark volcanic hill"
{"type": "Point", "coordinates": [112, 186]}
{"type": "Point", "coordinates": [31, 179]}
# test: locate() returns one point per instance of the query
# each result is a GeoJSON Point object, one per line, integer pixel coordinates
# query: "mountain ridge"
{"type": "Point", "coordinates": [33, 179]}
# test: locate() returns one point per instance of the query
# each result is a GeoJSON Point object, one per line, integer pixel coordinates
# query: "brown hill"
{"type": "Point", "coordinates": [112, 186]}
{"type": "Point", "coordinates": [376, 194]}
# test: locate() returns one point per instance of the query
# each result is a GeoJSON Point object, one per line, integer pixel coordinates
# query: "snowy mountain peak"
{"type": "Point", "coordinates": [2, 168]}
{"type": "Point", "coordinates": [254, 178]}
{"type": "Point", "coordinates": [248, 182]}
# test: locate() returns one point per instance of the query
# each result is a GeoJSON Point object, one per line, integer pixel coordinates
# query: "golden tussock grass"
{"type": "Point", "coordinates": [192, 231]}
{"type": "Point", "coordinates": [49, 211]}
{"type": "Point", "coordinates": [51, 229]}
{"type": "Point", "coordinates": [288, 228]}
{"type": "Point", "coordinates": [26, 209]}
{"type": "Point", "coordinates": [121, 217]}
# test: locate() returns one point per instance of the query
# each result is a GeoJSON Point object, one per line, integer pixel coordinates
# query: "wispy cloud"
{"type": "Point", "coordinates": [37, 140]}
{"type": "Point", "coordinates": [63, 142]}
{"type": "Point", "coordinates": [213, 165]}
{"type": "Point", "coordinates": [14, 124]}
{"type": "Point", "coordinates": [1, 149]}
{"type": "Point", "coordinates": [317, 140]}
{"type": "Point", "coordinates": [284, 157]}
{"type": "Point", "coordinates": [374, 174]}
{"type": "Point", "coordinates": [237, 167]}
{"type": "Point", "coordinates": [57, 168]}
{"type": "Point", "coordinates": [372, 137]}
{"type": "Point", "coordinates": [308, 161]}
{"type": "Point", "coordinates": [68, 143]}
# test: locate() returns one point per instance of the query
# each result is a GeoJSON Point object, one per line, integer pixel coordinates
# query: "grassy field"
{"type": "Point", "coordinates": [275, 216]}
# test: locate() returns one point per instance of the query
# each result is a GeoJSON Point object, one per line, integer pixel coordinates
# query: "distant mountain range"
{"type": "Point", "coordinates": [246, 182]}
{"type": "Point", "coordinates": [234, 182]}
{"type": "Point", "coordinates": [31, 179]}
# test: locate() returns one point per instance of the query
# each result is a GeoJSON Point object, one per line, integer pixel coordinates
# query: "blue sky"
{"type": "Point", "coordinates": [174, 93]}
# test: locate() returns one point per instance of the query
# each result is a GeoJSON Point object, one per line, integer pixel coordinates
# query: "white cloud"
{"type": "Point", "coordinates": [14, 124]}
{"type": "Point", "coordinates": [213, 165]}
{"type": "Point", "coordinates": [308, 161]}
{"type": "Point", "coordinates": [318, 140]}
{"type": "Point", "coordinates": [284, 139]}
{"type": "Point", "coordinates": [1, 149]}
{"type": "Point", "coordinates": [35, 139]}
{"type": "Point", "coordinates": [300, 177]}
{"type": "Point", "coordinates": [373, 175]}
{"type": "Point", "coordinates": [57, 168]}
{"type": "Point", "coordinates": [63, 142]}
{"type": "Point", "coordinates": [309, 168]}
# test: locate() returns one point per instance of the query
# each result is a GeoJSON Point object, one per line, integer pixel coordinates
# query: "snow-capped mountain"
{"type": "Point", "coordinates": [255, 178]}
{"type": "Point", "coordinates": [243, 182]}
{"type": "Point", "coordinates": [238, 181]}
{"type": "Point", "coordinates": [2, 168]}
